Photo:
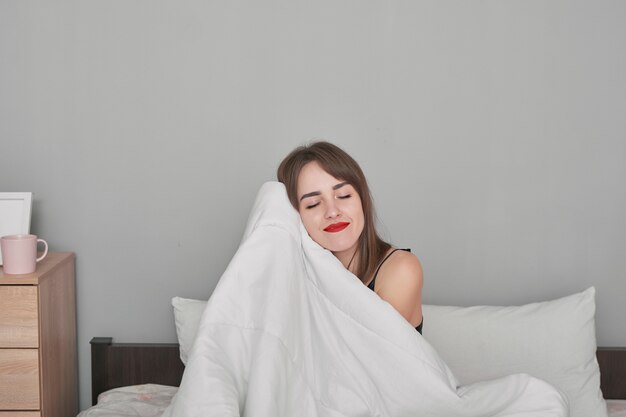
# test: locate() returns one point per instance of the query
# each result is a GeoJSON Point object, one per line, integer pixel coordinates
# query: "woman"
{"type": "Point", "coordinates": [329, 190]}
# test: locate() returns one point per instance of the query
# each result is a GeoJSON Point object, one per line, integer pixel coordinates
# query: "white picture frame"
{"type": "Point", "coordinates": [15, 211]}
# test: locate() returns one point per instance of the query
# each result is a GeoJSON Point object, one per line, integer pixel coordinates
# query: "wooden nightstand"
{"type": "Point", "coordinates": [38, 367]}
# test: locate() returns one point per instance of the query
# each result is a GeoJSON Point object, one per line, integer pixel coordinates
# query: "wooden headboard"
{"type": "Point", "coordinates": [612, 363]}
{"type": "Point", "coordinates": [116, 365]}
{"type": "Point", "coordinates": [120, 364]}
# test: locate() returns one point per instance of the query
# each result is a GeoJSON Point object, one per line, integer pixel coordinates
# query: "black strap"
{"type": "Point", "coordinates": [419, 327]}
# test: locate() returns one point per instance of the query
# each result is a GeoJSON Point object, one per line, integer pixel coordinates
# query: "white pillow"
{"type": "Point", "coordinates": [553, 340]}
{"type": "Point", "coordinates": [187, 314]}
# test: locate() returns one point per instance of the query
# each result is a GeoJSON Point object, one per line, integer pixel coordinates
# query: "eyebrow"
{"type": "Point", "coordinates": [314, 193]}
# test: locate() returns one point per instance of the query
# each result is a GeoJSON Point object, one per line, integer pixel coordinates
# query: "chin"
{"type": "Point", "coordinates": [339, 246]}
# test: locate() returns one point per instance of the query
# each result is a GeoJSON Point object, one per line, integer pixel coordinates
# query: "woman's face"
{"type": "Point", "coordinates": [330, 209]}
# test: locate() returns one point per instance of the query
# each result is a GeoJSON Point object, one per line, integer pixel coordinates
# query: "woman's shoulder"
{"type": "Point", "coordinates": [403, 269]}
{"type": "Point", "coordinates": [400, 284]}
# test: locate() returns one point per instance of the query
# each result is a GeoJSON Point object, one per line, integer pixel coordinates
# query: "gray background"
{"type": "Point", "coordinates": [493, 134]}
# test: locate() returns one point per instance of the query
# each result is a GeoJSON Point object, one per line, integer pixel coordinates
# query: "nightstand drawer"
{"type": "Point", "coordinates": [20, 414]}
{"type": "Point", "coordinates": [18, 316]}
{"type": "Point", "coordinates": [19, 379]}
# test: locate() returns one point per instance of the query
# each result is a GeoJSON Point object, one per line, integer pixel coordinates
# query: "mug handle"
{"type": "Point", "coordinates": [45, 252]}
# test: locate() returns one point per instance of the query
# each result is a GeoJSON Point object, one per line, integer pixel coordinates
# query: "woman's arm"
{"type": "Point", "coordinates": [400, 282]}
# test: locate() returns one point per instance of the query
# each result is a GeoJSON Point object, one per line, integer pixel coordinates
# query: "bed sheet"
{"type": "Point", "coordinates": [617, 408]}
{"type": "Point", "coordinates": [147, 400]}
{"type": "Point", "coordinates": [150, 400]}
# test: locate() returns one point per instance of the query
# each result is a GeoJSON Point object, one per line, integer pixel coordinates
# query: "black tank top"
{"type": "Point", "coordinates": [372, 284]}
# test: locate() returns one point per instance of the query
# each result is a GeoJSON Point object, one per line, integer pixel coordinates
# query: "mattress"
{"type": "Point", "coordinates": [150, 400]}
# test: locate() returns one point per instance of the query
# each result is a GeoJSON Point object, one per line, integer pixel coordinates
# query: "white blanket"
{"type": "Point", "coordinates": [290, 332]}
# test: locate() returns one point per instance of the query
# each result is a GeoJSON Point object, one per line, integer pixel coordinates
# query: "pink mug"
{"type": "Point", "coordinates": [19, 253]}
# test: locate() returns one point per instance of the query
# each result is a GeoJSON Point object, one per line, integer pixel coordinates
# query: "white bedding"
{"type": "Point", "coordinates": [289, 331]}
{"type": "Point", "coordinates": [151, 400]}
{"type": "Point", "coordinates": [617, 408]}
{"type": "Point", "coordinates": [148, 400]}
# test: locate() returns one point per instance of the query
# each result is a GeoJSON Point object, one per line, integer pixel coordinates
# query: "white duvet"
{"type": "Point", "coordinates": [290, 332]}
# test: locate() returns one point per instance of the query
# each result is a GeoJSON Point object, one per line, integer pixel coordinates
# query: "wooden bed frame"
{"type": "Point", "coordinates": [116, 365]}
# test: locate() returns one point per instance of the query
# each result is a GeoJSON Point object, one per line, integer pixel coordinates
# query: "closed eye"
{"type": "Point", "coordinates": [343, 197]}
{"type": "Point", "coordinates": [312, 205]}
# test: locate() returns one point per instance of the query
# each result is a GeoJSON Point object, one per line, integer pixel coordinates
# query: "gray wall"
{"type": "Point", "coordinates": [493, 134]}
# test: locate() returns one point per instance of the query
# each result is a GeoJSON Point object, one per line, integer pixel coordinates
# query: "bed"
{"type": "Point", "coordinates": [290, 331]}
{"type": "Point", "coordinates": [138, 379]}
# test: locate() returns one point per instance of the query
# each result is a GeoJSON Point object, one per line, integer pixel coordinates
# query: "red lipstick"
{"type": "Point", "coordinates": [337, 227]}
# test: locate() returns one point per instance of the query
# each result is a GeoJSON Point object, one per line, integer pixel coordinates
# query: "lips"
{"type": "Point", "coordinates": [336, 227]}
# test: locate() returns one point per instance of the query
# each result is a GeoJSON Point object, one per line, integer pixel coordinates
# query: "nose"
{"type": "Point", "coordinates": [332, 210]}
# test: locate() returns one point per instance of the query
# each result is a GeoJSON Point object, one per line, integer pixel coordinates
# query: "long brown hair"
{"type": "Point", "coordinates": [335, 161]}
